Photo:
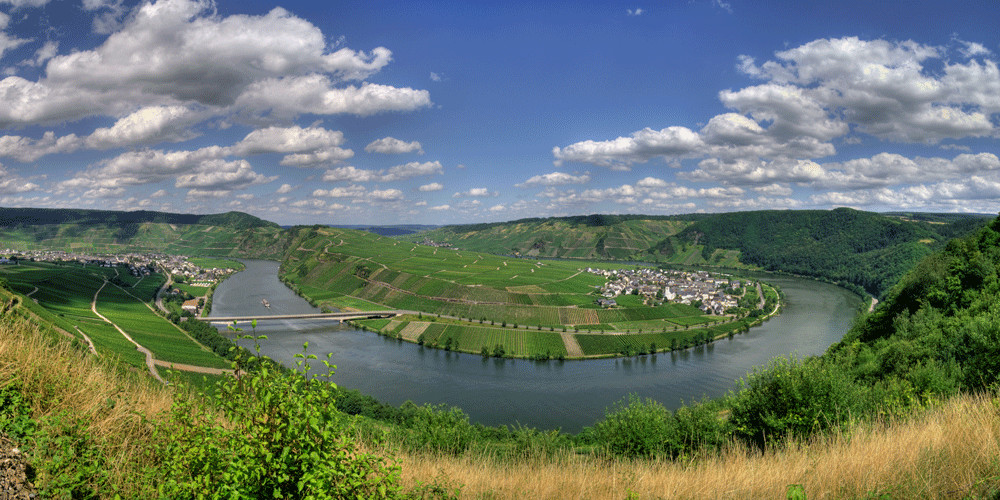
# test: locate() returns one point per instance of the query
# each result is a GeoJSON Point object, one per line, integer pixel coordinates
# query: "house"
{"type": "Point", "coordinates": [190, 306]}
{"type": "Point", "coordinates": [607, 302]}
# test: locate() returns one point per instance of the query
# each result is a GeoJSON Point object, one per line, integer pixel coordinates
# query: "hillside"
{"type": "Point", "coordinates": [903, 407]}
{"type": "Point", "coordinates": [503, 305]}
{"type": "Point", "coordinates": [862, 248]}
{"type": "Point", "coordinates": [103, 231]}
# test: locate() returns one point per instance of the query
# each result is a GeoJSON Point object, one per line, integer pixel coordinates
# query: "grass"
{"type": "Point", "coordinates": [948, 452]}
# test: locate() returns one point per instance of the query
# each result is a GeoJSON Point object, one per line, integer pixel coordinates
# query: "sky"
{"type": "Point", "coordinates": [418, 112]}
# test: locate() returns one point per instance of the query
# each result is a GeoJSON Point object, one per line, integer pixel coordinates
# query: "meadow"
{"type": "Point", "coordinates": [527, 299]}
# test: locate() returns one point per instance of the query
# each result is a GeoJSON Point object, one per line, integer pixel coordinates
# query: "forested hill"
{"type": "Point", "coordinates": [866, 249]}
{"type": "Point", "coordinates": [21, 217]}
{"type": "Point", "coordinates": [106, 231]}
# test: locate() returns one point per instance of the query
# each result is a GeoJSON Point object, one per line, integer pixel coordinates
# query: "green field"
{"type": "Point", "coordinates": [64, 294]}
{"type": "Point", "coordinates": [346, 269]}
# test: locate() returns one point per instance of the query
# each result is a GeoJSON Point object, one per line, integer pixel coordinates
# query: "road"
{"type": "Point", "coordinates": [149, 355]}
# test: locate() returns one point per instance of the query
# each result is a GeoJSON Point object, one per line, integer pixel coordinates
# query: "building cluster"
{"type": "Point", "coordinates": [138, 264]}
{"type": "Point", "coordinates": [657, 285]}
{"type": "Point", "coordinates": [431, 243]}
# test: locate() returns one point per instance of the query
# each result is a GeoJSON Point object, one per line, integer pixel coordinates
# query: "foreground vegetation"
{"type": "Point", "coordinates": [904, 406]}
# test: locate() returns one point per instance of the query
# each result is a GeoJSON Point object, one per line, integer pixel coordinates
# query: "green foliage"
{"type": "Point", "coordinates": [637, 428]}
{"type": "Point", "coordinates": [282, 437]}
{"type": "Point", "coordinates": [794, 398]}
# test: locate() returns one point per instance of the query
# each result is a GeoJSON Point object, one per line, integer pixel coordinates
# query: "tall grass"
{"type": "Point", "coordinates": [83, 396]}
{"type": "Point", "coordinates": [951, 451]}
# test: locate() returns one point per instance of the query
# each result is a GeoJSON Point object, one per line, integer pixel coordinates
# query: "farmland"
{"type": "Point", "coordinates": [531, 308]}
{"type": "Point", "coordinates": [63, 293]}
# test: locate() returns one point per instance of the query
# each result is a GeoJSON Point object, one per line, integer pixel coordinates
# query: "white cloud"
{"type": "Point", "coordinates": [399, 172]}
{"type": "Point", "coordinates": [17, 4]}
{"type": "Point", "coordinates": [440, 207]}
{"type": "Point", "coordinates": [634, 12]}
{"type": "Point", "coordinates": [413, 169]}
{"type": "Point", "coordinates": [651, 182]}
{"type": "Point", "coordinates": [291, 96]}
{"type": "Point", "coordinates": [309, 147]}
{"type": "Point", "coordinates": [285, 189]}
{"type": "Point", "coordinates": [499, 207]}
{"type": "Point", "coordinates": [351, 191]}
{"type": "Point", "coordinates": [475, 193]}
{"type": "Point", "coordinates": [181, 52]}
{"type": "Point", "coordinates": [427, 188]}
{"type": "Point", "coordinates": [11, 183]}
{"type": "Point", "coordinates": [555, 179]}
{"type": "Point", "coordinates": [436, 77]}
{"type": "Point", "coordinates": [386, 194]}
{"type": "Point", "coordinates": [391, 145]}
{"type": "Point", "coordinates": [47, 51]}
{"type": "Point", "coordinates": [620, 153]}
{"type": "Point", "coordinates": [221, 175]}
{"type": "Point", "coordinates": [350, 174]}
{"type": "Point", "coordinates": [150, 124]}
{"type": "Point", "coordinates": [815, 93]}
{"type": "Point", "coordinates": [25, 149]}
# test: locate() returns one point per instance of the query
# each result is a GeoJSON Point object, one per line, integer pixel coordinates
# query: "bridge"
{"type": "Point", "coordinates": [339, 316]}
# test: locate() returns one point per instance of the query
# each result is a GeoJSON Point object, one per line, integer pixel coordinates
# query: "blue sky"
{"type": "Point", "coordinates": [374, 112]}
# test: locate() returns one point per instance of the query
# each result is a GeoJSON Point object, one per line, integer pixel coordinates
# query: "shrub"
{"type": "Point", "coordinates": [281, 437]}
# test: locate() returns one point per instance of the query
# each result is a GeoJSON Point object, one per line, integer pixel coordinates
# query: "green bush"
{"type": "Point", "coordinates": [281, 437]}
{"type": "Point", "coordinates": [635, 428]}
{"type": "Point", "coordinates": [792, 397]}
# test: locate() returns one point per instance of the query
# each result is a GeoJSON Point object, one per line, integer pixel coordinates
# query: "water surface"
{"type": "Point", "coordinates": [568, 395]}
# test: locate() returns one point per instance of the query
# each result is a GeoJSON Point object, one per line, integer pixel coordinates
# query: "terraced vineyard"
{"type": "Point", "coordinates": [63, 294]}
{"type": "Point", "coordinates": [532, 308]}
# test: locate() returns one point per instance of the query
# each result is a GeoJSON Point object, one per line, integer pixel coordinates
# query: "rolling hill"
{"type": "Point", "coordinates": [104, 231]}
{"type": "Point", "coordinates": [865, 249]}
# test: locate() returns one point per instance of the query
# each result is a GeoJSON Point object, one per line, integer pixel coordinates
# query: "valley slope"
{"type": "Point", "coordinates": [868, 250]}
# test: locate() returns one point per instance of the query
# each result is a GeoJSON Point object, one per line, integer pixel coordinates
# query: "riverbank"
{"type": "Point", "coordinates": [568, 394]}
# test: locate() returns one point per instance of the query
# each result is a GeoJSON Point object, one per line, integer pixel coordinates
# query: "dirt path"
{"type": "Point", "coordinates": [573, 348]}
{"type": "Point", "coordinates": [90, 343]}
{"type": "Point", "coordinates": [149, 355]}
{"type": "Point", "coordinates": [29, 294]}
{"type": "Point", "coordinates": [874, 303]}
{"type": "Point", "coordinates": [192, 368]}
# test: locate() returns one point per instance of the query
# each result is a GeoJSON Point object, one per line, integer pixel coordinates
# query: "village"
{"type": "Point", "coordinates": [699, 288]}
{"type": "Point", "coordinates": [138, 264]}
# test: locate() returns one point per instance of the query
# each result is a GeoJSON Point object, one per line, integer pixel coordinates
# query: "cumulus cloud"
{"type": "Point", "coordinates": [396, 173]}
{"type": "Point", "coordinates": [150, 124]}
{"type": "Point", "coordinates": [180, 52]}
{"type": "Point", "coordinates": [475, 193]}
{"type": "Point", "coordinates": [555, 179]}
{"type": "Point", "coordinates": [205, 172]}
{"type": "Point", "coordinates": [386, 194]}
{"type": "Point", "coordinates": [351, 191]}
{"type": "Point", "coordinates": [427, 188]}
{"type": "Point", "coordinates": [11, 183]}
{"type": "Point", "coordinates": [812, 94]}
{"type": "Point", "coordinates": [308, 147]}
{"type": "Point", "coordinates": [620, 153]}
{"type": "Point", "coordinates": [391, 145]}
{"type": "Point", "coordinates": [439, 208]}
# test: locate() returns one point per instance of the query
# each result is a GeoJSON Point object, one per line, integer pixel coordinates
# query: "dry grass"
{"type": "Point", "coordinates": [948, 452]}
{"type": "Point", "coordinates": [63, 379]}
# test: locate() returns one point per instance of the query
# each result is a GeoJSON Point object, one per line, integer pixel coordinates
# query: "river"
{"type": "Point", "coordinates": [567, 395]}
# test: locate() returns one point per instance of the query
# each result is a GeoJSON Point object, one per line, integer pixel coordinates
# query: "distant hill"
{"type": "Point", "coordinates": [392, 230]}
{"type": "Point", "coordinates": [866, 249]}
{"type": "Point", "coordinates": [106, 231]}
